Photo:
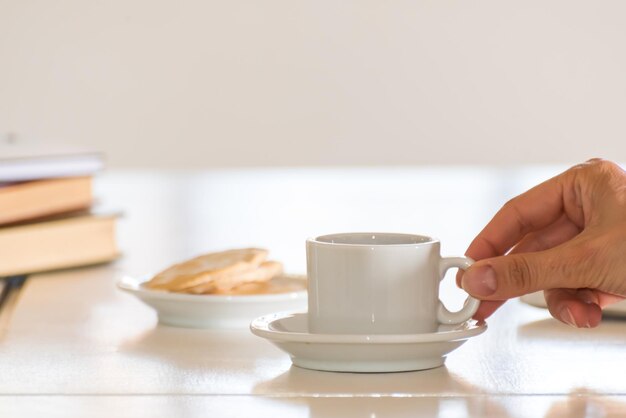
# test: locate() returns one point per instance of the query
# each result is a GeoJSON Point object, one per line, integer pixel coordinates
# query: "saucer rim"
{"type": "Point", "coordinates": [133, 285]}
{"type": "Point", "coordinates": [261, 327]}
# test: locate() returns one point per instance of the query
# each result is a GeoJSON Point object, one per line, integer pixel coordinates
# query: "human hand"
{"type": "Point", "coordinates": [566, 236]}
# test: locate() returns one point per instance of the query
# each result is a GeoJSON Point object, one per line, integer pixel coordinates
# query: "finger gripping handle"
{"type": "Point", "coordinates": [470, 306]}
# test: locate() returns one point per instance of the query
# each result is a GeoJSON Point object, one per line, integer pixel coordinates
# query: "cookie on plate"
{"type": "Point", "coordinates": [208, 269]}
{"type": "Point", "coordinates": [266, 271]}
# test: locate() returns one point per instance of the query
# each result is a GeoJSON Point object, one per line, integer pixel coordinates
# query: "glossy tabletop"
{"type": "Point", "coordinates": [74, 345]}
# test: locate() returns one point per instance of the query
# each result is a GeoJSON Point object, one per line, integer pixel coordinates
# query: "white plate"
{"type": "Point", "coordinates": [361, 353]}
{"type": "Point", "coordinates": [216, 311]}
{"type": "Point", "coordinates": [537, 299]}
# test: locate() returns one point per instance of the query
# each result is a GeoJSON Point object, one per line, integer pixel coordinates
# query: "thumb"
{"type": "Point", "coordinates": [505, 277]}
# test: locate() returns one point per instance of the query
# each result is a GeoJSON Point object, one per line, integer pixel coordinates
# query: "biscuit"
{"type": "Point", "coordinates": [266, 271]}
{"type": "Point", "coordinates": [208, 268]}
{"type": "Point", "coordinates": [249, 288]}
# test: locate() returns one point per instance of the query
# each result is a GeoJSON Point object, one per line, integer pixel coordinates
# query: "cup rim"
{"type": "Point", "coordinates": [428, 240]}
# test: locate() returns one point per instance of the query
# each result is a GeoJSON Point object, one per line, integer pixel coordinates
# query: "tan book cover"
{"type": "Point", "coordinates": [37, 199]}
{"type": "Point", "coordinates": [57, 243]}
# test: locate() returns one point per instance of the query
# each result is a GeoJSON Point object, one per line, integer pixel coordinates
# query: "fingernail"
{"type": "Point", "coordinates": [587, 296]}
{"type": "Point", "coordinates": [567, 317]}
{"type": "Point", "coordinates": [480, 281]}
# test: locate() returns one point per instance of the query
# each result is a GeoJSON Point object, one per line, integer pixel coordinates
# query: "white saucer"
{"type": "Point", "coordinates": [361, 353]}
{"type": "Point", "coordinates": [216, 311]}
{"type": "Point", "coordinates": [537, 299]}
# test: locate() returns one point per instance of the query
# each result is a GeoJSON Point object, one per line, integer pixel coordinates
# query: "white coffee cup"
{"type": "Point", "coordinates": [379, 283]}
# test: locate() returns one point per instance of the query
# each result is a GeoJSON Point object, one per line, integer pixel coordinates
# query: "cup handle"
{"type": "Point", "coordinates": [444, 316]}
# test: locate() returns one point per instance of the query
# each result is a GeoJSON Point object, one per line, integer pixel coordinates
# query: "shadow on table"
{"type": "Point", "coordinates": [550, 329]}
{"type": "Point", "coordinates": [428, 393]}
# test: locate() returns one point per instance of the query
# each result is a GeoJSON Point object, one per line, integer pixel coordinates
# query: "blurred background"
{"type": "Point", "coordinates": [235, 123]}
{"type": "Point", "coordinates": [209, 84]}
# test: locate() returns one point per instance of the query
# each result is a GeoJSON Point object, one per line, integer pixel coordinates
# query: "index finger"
{"type": "Point", "coordinates": [533, 210]}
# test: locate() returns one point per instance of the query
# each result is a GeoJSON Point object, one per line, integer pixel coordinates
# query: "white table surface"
{"type": "Point", "coordinates": [77, 346]}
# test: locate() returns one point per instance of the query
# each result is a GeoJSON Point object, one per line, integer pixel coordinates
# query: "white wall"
{"type": "Point", "coordinates": [317, 82]}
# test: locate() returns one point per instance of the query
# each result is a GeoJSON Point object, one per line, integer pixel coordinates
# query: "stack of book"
{"type": "Point", "coordinates": [46, 216]}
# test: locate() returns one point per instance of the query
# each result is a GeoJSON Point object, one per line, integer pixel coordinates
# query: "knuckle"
{"type": "Point", "coordinates": [595, 184]}
{"type": "Point", "coordinates": [598, 166]}
{"type": "Point", "coordinates": [509, 203]}
{"type": "Point", "coordinates": [511, 207]}
{"type": "Point", "coordinates": [604, 167]}
{"type": "Point", "coordinates": [520, 274]}
{"type": "Point", "coordinates": [595, 160]}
